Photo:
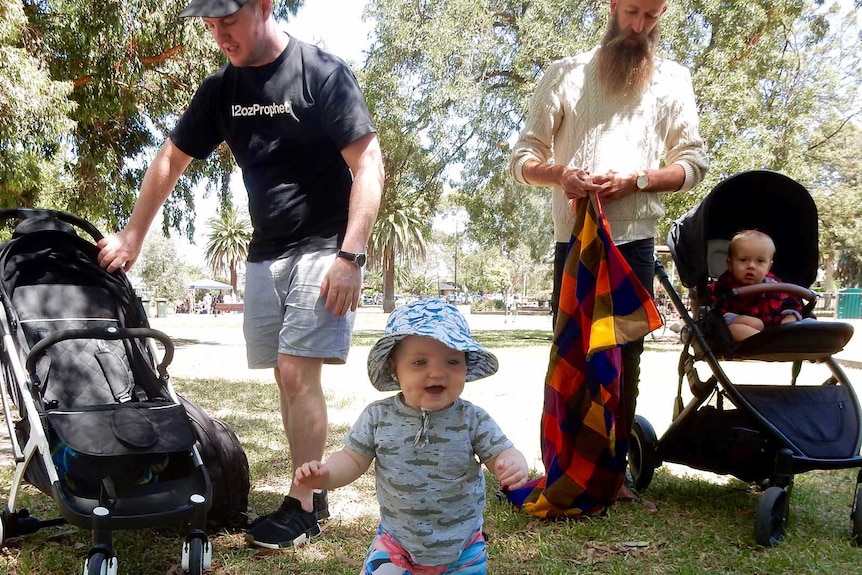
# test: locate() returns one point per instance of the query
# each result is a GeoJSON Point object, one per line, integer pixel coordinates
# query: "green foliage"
{"type": "Point", "coordinates": [34, 118]}
{"type": "Point", "coordinates": [766, 74]}
{"type": "Point", "coordinates": [372, 281]}
{"type": "Point", "coordinates": [397, 237]}
{"type": "Point", "coordinates": [486, 271]}
{"type": "Point", "coordinates": [161, 268]}
{"type": "Point", "coordinates": [420, 284]}
{"type": "Point", "coordinates": [227, 242]}
{"type": "Point", "coordinates": [488, 305]}
{"type": "Point", "coordinates": [412, 187]}
{"type": "Point", "coordinates": [100, 84]}
{"type": "Point", "coordinates": [837, 191]}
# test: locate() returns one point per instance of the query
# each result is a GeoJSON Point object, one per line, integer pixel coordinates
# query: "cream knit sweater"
{"type": "Point", "coordinates": [571, 122]}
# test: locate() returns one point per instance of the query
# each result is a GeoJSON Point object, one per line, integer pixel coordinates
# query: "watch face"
{"type": "Point", "coordinates": [359, 259]}
{"type": "Point", "coordinates": [642, 181]}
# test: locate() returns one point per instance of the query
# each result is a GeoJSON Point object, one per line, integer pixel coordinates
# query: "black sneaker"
{"type": "Point", "coordinates": [321, 506]}
{"type": "Point", "coordinates": [321, 509]}
{"type": "Point", "coordinates": [289, 526]}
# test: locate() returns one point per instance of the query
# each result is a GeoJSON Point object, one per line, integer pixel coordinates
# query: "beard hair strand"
{"type": "Point", "coordinates": [626, 70]}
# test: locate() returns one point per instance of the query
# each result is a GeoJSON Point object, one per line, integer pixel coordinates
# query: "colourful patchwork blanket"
{"type": "Point", "coordinates": [602, 306]}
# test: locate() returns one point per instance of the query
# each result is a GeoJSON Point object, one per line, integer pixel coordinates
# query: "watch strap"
{"type": "Point", "coordinates": [358, 259]}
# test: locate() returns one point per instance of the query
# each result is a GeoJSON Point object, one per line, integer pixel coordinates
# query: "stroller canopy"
{"type": "Point", "coordinates": [760, 199]}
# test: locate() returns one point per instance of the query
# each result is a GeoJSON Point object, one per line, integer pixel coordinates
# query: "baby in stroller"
{"type": "Point", "coordinates": [749, 259]}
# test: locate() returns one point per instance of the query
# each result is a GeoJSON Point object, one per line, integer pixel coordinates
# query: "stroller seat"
{"type": "Point", "coordinates": [99, 426]}
{"type": "Point", "coordinates": [806, 340]}
{"type": "Point", "coordinates": [109, 418]}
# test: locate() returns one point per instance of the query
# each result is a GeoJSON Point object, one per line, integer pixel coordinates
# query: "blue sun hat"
{"type": "Point", "coordinates": [431, 318]}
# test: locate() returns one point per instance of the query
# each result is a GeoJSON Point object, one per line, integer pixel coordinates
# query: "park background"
{"type": "Point", "coordinates": [703, 526]}
{"type": "Point", "coordinates": [89, 90]}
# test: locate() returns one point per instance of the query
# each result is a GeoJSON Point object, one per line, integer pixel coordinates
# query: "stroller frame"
{"type": "Point", "coordinates": [759, 449]}
{"type": "Point", "coordinates": [185, 499]}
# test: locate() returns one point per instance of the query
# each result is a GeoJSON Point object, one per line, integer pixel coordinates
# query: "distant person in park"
{"type": "Point", "coordinates": [622, 123]}
{"type": "Point", "coordinates": [511, 311]}
{"type": "Point", "coordinates": [298, 126]}
{"type": "Point", "coordinates": [427, 445]}
{"type": "Point", "coordinates": [749, 259]}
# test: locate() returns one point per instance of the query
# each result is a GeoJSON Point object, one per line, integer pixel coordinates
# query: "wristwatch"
{"type": "Point", "coordinates": [359, 259]}
{"type": "Point", "coordinates": [643, 180]}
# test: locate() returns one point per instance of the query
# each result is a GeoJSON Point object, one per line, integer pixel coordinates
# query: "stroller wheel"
{"type": "Point", "coordinates": [197, 556]}
{"type": "Point", "coordinates": [642, 457]}
{"type": "Point", "coordinates": [4, 517]}
{"type": "Point", "coordinates": [856, 516]}
{"type": "Point", "coordinates": [771, 517]}
{"type": "Point", "coordinates": [100, 564]}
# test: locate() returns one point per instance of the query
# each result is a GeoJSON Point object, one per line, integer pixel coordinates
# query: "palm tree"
{"type": "Point", "coordinates": [397, 234]}
{"type": "Point", "coordinates": [227, 242]}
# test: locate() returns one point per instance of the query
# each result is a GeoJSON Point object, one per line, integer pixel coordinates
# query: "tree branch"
{"type": "Point", "coordinates": [834, 132]}
{"type": "Point", "coordinates": [145, 60]}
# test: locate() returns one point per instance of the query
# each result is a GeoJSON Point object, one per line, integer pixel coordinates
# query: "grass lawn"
{"type": "Point", "coordinates": [702, 527]}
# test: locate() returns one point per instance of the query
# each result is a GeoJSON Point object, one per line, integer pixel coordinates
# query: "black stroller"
{"type": "Point", "coordinates": [98, 426]}
{"type": "Point", "coordinates": [759, 433]}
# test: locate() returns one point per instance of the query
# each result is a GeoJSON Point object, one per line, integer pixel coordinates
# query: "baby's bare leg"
{"type": "Point", "coordinates": [745, 326]}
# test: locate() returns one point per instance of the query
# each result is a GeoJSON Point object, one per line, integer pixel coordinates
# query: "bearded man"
{"type": "Point", "coordinates": [621, 123]}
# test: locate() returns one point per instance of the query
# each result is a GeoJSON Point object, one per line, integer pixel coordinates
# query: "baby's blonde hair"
{"type": "Point", "coordinates": [750, 235]}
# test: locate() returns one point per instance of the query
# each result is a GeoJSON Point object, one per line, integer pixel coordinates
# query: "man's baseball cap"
{"type": "Point", "coordinates": [212, 8]}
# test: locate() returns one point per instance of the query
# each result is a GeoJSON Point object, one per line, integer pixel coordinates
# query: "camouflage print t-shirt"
{"type": "Point", "coordinates": [430, 484]}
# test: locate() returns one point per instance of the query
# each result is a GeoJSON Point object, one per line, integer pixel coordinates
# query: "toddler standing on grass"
{"type": "Point", "coordinates": [425, 442]}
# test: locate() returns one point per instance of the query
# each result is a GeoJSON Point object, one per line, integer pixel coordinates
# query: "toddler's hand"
{"type": "Point", "coordinates": [510, 468]}
{"type": "Point", "coordinates": [311, 474]}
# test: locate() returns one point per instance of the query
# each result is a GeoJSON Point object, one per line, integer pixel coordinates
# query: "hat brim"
{"type": "Point", "coordinates": [480, 362]}
{"type": "Point", "coordinates": [211, 8]}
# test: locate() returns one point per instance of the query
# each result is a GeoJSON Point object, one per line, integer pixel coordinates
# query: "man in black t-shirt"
{"type": "Point", "coordinates": [297, 124]}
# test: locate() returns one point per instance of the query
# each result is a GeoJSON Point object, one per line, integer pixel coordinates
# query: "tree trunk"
{"type": "Point", "coordinates": [829, 275]}
{"type": "Point", "coordinates": [388, 280]}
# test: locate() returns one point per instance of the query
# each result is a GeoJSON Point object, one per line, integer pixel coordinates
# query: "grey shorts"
{"type": "Point", "coordinates": [284, 313]}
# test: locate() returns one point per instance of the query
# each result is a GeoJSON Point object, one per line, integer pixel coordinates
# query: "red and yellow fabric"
{"type": "Point", "coordinates": [602, 306]}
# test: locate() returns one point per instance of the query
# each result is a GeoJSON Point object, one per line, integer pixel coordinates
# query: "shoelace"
{"type": "Point", "coordinates": [422, 433]}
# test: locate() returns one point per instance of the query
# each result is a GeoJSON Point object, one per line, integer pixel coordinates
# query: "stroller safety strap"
{"type": "Point", "coordinates": [117, 374]}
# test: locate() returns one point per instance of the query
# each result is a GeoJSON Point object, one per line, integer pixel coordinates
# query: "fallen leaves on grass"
{"type": "Point", "coordinates": [599, 552]}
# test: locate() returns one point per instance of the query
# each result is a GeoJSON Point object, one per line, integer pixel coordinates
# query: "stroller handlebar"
{"type": "Point", "coordinates": [792, 289]}
{"type": "Point", "coordinates": [109, 333]}
{"type": "Point", "coordinates": [798, 291]}
{"type": "Point", "coordinates": [69, 218]}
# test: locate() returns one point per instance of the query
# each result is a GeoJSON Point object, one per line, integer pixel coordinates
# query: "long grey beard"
{"type": "Point", "coordinates": [626, 70]}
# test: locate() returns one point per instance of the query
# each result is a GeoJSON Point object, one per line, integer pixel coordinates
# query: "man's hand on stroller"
{"type": "Point", "coordinates": [118, 251]}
